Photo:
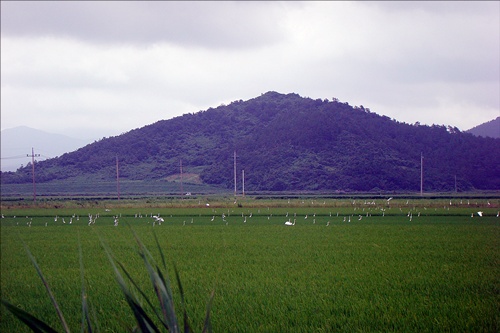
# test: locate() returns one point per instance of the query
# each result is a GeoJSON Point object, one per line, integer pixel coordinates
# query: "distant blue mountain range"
{"type": "Point", "coordinates": [490, 129]}
{"type": "Point", "coordinates": [18, 142]}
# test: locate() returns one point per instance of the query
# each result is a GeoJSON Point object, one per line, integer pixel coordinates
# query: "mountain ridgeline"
{"type": "Point", "coordinates": [287, 143]}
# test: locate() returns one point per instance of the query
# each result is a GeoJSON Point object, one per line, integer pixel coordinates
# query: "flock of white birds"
{"type": "Point", "coordinates": [358, 213]}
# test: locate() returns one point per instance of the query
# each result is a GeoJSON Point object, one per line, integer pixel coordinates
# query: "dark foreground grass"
{"type": "Point", "coordinates": [378, 274]}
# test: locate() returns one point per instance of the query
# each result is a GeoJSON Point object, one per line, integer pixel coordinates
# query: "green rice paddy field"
{"type": "Point", "coordinates": [348, 266]}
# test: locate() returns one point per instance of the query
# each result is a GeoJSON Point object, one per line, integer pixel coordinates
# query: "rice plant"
{"type": "Point", "coordinates": [165, 315]}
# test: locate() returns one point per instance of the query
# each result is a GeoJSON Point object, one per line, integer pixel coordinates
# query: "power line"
{"type": "Point", "coordinates": [23, 156]}
{"type": "Point", "coordinates": [13, 157]}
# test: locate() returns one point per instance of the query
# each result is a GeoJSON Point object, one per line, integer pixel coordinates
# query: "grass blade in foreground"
{"type": "Point", "coordinates": [144, 322]}
{"type": "Point", "coordinates": [187, 328]}
{"type": "Point", "coordinates": [161, 287]}
{"type": "Point", "coordinates": [35, 324]}
{"type": "Point", "coordinates": [45, 283]}
{"type": "Point", "coordinates": [207, 326]}
{"type": "Point", "coordinates": [86, 324]}
{"type": "Point", "coordinates": [32, 322]}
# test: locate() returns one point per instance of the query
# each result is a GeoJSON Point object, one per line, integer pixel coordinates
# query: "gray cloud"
{"type": "Point", "coordinates": [201, 24]}
{"type": "Point", "coordinates": [108, 67]}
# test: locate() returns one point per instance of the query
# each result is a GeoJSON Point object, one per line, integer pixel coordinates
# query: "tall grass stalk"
{"type": "Point", "coordinates": [35, 324]}
{"type": "Point", "coordinates": [165, 313]}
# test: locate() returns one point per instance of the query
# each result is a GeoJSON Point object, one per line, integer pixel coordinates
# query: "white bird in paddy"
{"type": "Point", "coordinates": [289, 222]}
{"type": "Point", "coordinates": [327, 223]}
{"type": "Point", "coordinates": [498, 214]}
{"type": "Point", "coordinates": [480, 213]}
{"type": "Point", "coordinates": [213, 217]}
{"type": "Point", "coordinates": [305, 217]}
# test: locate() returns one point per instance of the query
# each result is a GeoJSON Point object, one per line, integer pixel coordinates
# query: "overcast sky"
{"type": "Point", "coordinates": [95, 69]}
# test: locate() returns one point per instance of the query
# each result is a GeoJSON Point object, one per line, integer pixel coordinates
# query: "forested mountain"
{"type": "Point", "coordinates": [287, 142]}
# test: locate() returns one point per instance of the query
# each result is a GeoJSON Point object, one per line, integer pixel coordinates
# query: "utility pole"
{"type": "Point", "coordinates": [235, 173]}
{"type": "Point", "coordinates": [182, 188]}
{"type": "Point", "coordinates": [117, 178]}
{"type": "Point", "coordinates": [421, 174]}
{"type": "Point", "coordinates": [243, 182]}
{"type": "Point", "coordinates": [33, 155]}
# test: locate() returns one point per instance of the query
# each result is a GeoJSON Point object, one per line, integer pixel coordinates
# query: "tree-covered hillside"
{"type": "Point", "coordinates": [287, 142]}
